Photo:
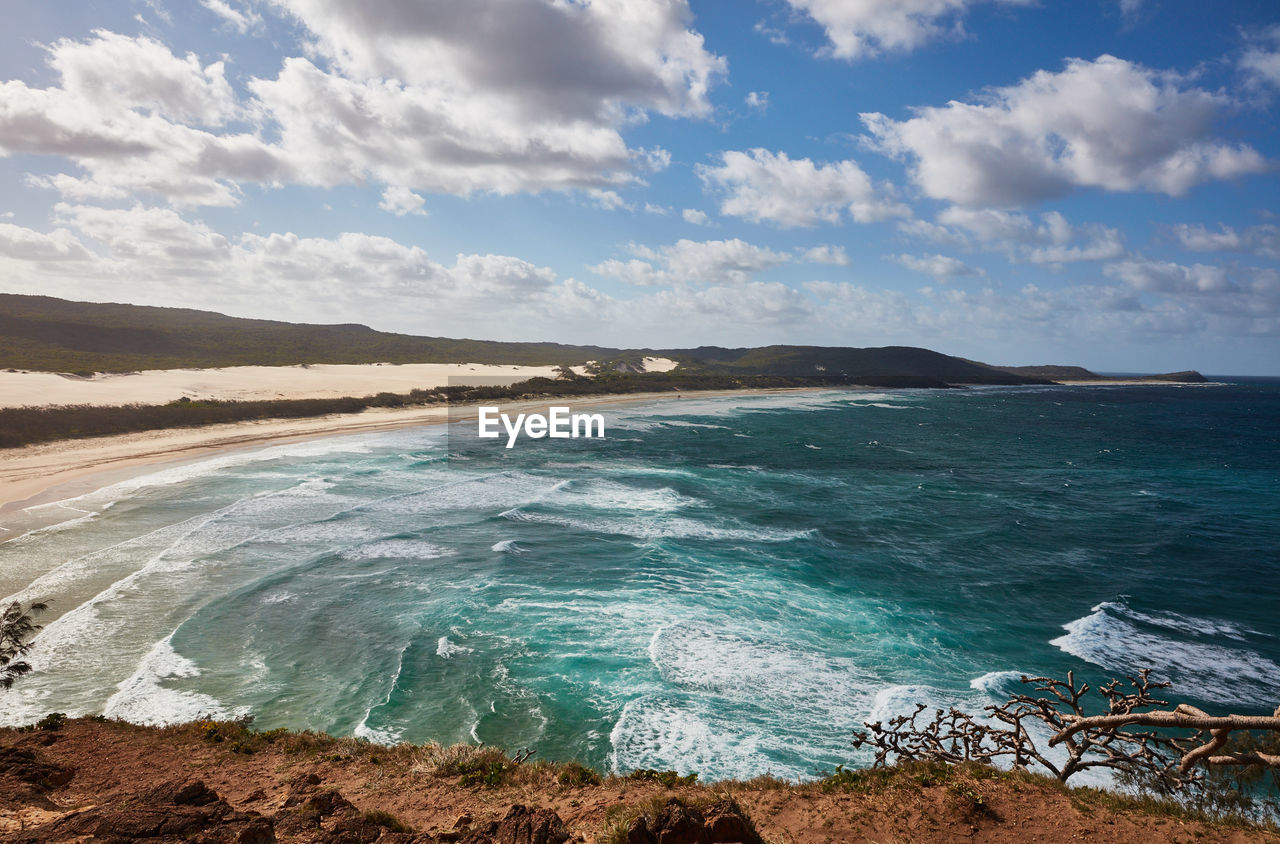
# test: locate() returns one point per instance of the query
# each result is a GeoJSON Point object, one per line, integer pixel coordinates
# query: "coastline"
{"type": "Point", "coordinates": [38, 475]}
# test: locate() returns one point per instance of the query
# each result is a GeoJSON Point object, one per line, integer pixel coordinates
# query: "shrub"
{"type": "Point", "coordinates": [668, 778]}
{"type": "Point", "coordinates": [52, 721]}
{"type": "Point", "coordinates": [578, 775]}
{"type": "Point", "coordinates": [387, 821]}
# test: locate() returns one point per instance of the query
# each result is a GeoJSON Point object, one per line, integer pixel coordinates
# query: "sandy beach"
{"type": "Point", "coordinates": [49, 472]}
{"type": "Point", "coordinates": [41, 474]}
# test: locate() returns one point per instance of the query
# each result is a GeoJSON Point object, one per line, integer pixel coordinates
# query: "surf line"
{"type": "Point", "coordinates": [559, 423]}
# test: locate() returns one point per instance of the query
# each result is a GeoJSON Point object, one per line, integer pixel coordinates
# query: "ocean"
{"type": "Point", "coordinates": [728, 586]}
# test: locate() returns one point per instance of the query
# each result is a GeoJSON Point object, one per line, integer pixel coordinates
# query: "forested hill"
{"type": "Point", "coordinates": [55, 335]}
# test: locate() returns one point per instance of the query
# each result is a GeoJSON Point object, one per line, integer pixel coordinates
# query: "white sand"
{"type": "Point", "coordinates": [659, 364]}
{"type": "Point", "coordinates": [159, 386]}
{"type": "Point", "coordinates": [50, 472]}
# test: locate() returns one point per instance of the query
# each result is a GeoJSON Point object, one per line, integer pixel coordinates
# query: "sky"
{"type": "Point", "coordinates": [1094, 182]}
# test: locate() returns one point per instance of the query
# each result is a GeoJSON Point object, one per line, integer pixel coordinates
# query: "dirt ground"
{"type": "Point", "coordinates": [56, 784]}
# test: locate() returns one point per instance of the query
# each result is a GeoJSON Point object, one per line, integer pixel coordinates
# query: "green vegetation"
{"type": "Point", "coordinates": [577, 775]}
{"type": "Point", "coordinates": [52, 722]}
{"type": "Point", "coordinates": [54, 335]}
{"type": "Point", "coordinates": [17, 627]}
{"type": "Point", "coordinates": [670, 779]}
{"type": "Point", "coordinates": [387, 821]}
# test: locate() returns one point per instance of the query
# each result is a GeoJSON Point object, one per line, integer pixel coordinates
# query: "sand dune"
{"type": "Point", "coordinates": [159, 386]}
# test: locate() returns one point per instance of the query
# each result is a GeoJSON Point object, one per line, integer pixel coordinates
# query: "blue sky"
{"type": "Point", "coordinates": [1013, 181]}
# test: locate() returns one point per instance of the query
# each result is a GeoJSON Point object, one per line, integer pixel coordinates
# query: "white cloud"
{"type": "Point", "coordinates": [925, 230]}
{"type": "Point", "coordinates": [1129, 9]}
{"type": "Point", "coordinates": [1262, 240]}
{"type": "Point", "coordinates": [71, 187]}
{"type": "Point", "coordinates": [826, 254]}
{"type": "Point", "coordinates": [1053, 241]}
{"type": "Point", "coordinates": [941, 267]}
{"type": "Point", "coordinates": [399, 200]}
{"type": "Point", "coordinates": [758, 100]}
{"type": "Point", "coordinates": [1248, 296]}
{"type": "Point", "coordinates": [493, 110]}
{"type": "Point", "coordinates": [687, 261]}
{"type": "Point", "coordinates": [1260, 63]}
{"type": "Point", "coordinates": [608, 55]}
{"type": "Point", "coordinates": [1108, 124]}
{"type": "Point", "coordinates": [23, 244]}
{"type": "Point", "coordinates": [159, 237]}
{"type": "Point", "coordinates": [1167, 277]}
{"type": "Point", "coordinates": [241, 19]}
{"type": "Point", "coordinates": [118, 113]}
{"type": "Point", "coordinates": [860, 28]}
{"type": "Point", "coordinates": [609, 200]}
{"type": "Point", "coordinates": [763, 186]}
{"type": "Point", "coordinates": [693, 215]}
{"type": "Point", "coordinates": [114, 72]}
{"type": "Point", "coordinates": [168, 259]}
{"type": "Point", "coordinates": [660, 210]}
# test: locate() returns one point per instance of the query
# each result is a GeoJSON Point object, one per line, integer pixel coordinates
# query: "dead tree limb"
{"type": "Point", "coordinates": [1158, 755]}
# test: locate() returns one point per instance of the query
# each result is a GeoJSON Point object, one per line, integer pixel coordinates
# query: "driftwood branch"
{"type": "Point", "coordinates": [1160, 755]}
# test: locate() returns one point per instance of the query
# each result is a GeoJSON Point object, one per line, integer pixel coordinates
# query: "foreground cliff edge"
{"type": "Point", "coordinates": [99, 780]}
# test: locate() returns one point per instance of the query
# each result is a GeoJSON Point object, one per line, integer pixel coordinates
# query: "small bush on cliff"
{"type": "Point", "coordinates": [52, 722]}
{"type": "Point", "coordinates": [668, 778]}
{"type": "Point", "coordinates": [387, 821]}
{"type": "Point", "coordinates": [577, 774]}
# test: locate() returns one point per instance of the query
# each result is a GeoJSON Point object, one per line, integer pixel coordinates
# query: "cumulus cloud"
{"type": "Point", "coordinates": [763, 186]}
{"type": "Point", "coordinates": [699, 262]}
{"type": "Point", "coordinates": [1260, 63]}
{"type": "Point", "coordinates": [399, 200]}
{"type": "Point", "coordinates": [121, 112]}
{"type": "Point", "coordinates": [1262, 240]}
{"type": "Point", "coordinates": [858, 29]}
{"type": "Point", "coordinates": [116, 72]}
{"type": "Point", "coordinates": [241, 19]}
{"type": "Point", "coordinates": [1108, 124]}
{"type": "Point", "coordinates": [23, 244]}
{"type": "Point", "coordinates": [1250, 296]}
{"type": "Point", "coordinates": [826, 254]}
{"type": "Point", "coordinates": [693, 215]}
{"type": "Point", "coordinates": [1167, 277]}
{"type": "Point", "coordinates": [758, 100]}
{"type": "Point", "coordinates": [1053, 240]}
{"type": "Point", "coordinates": [169, 259]}
{"type": "Point", "coordinates": [493, 110]}
{"type": "Point", "coordinates": [941, 267]}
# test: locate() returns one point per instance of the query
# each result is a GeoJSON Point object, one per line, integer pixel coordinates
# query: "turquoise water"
{"type": "Point", "coordinates": [723, 585]}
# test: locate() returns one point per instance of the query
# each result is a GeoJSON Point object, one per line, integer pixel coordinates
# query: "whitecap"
{"type": "Point", "coordinates": [998, 683]}
{"type": "Point", "coordinates": [405, 549]}
{"type": "Point", "coordinates": [659, 527]}
{"type": "Point", "coordinates": [143, 699]}
{"type": "Point", "coordinates": [446, 649]}
{"type": "Point", "coordinates": [1118, 639]}
{"type": "Point", "coordinates": [507, 546]}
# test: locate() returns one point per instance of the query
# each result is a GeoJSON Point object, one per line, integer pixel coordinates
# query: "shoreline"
{"type": "Point", "coordinates": [48, 473]}
{"type": "Point", "coordinates": [43, 474]}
